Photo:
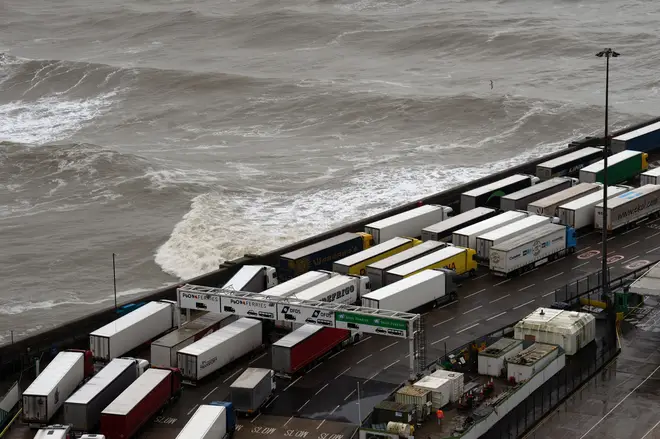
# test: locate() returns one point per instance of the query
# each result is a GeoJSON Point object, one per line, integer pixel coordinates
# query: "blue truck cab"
{"type": "Point", "coordinates": [231, 415]}
{"type": "Point", "coordinates": [571, 239]}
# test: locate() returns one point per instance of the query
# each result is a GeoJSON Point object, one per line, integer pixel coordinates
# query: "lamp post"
{"type": "Point", "coordinates": [607, 53]}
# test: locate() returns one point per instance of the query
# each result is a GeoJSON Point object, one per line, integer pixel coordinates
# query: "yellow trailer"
{"type": "Point", "coordinates": [459, 259]}
{"type": "Point", "coordinates": [357, 263]}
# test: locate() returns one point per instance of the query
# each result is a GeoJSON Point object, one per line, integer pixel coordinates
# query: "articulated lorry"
{"type": "Point", "coordinates": [460, 260]}
{"type": "Point", "coordinates": [44, 397]}
{"type": "Point", "coordinates": [621, 167]}
{"type": "Point", "coordinates": [630, 207]}
{"type": "Point", "coordinates": [429, 287]}
{"type": "Point", "coordinates": [320, 256]}
{"type": "Point", "coordinates": [494, 237]}
{"type": "Point", "coordinates": [407, 224]}
{"type": "Point", "coordinates": [521, 199]}
{"type": "Point", "coordinates": [580, 213]}
{"type": "Point", "coordinates": [210, 421]}
{"type": "Point", "coordinates": [299, 283]}
{"type": "Point", "coordinates": [643, 139]}
{"type": "Point", "coordinates": [568, 163]}
{"type": "Point", "coordinates": [489, 195]}
{"type": "Point", "coordinates": [252, 389]}
{"type": "Point", "coordinates": [253, 279]}
{"type": "Point", "coordinates": [467, 237]}
{"type": "Point", "coordinates": [357, 263]}
{"type": "Point", "coordinates": [376, 271]}
{"type": "Point", "coordinates": [443, 230]}
{"type": "Point", "coordinates": [532, 249]}
{"type": "Point", "coordinates": [548, 206]}
{"type": "Point", "coordinates": [338, 289]}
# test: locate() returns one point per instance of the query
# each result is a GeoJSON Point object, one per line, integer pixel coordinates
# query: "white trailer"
{"type": "Point", "coordinates": [164, 350]}
{"type": "Point", "coordinates": [629, 207]}
{"type": "Point", "coordinates": [253, 279]}
{"type": "Point", "coordinates": [652, 176]}
{"type": "Point", "coordinates": [131, 330]}
{"type": "Point", "coordinates": [521, 199]}
{"type": "Point", "coordinates": [208, 422]}
{"type": "Point", "coordinates": [457, 258]}
{"type": "Point", "coordinates": [489, 195]}
{"type": "Point", "coordinates": [443, 230]}
{"type": "Point", "coordinates": [467, 237]}
{"type": "Point", "coordinates": [215, 351]}
{"type": "Point", "coordinates": [494, 237]}
{"type": "Point", "coordinates": [531, 249]}
{"type": "Point", "coordinates": [408, 224]}
{"type": "Point", "coordinates": [56, 431]}
{"type": "Point", "coordinates": [299, 283]}
{"type": "Point", "coordinates": [548, 206]}
{"type": "Point", "coordinates": [580, 213]}
{"type": "Point", "coordinates": [377, 270]}
{"type": "Point", "coordinates": [339, 289]}
{"type": "Point", "coordinates": [52, 387]}
{"type": "Point", "coordinates": [426, 287]}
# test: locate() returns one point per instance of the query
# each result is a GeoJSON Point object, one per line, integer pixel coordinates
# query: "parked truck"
{"type": "Point", "coordinates": [304, 347]}
{"type": "Point", "coordinates": [217, 350]}
{"type": "Point", "coordinates": [210, 421]}
{"type": "Point", "coordinates": [83, 409]}
{"type": "Point", "coordinates": [460, 260]}
{"type": "Point", "coordinates": [467, 237]}
{"type": "Point", "coordinates": [252, 389]}
{"type": "Point", "coordinates": [443, 230]}
{"type": "Point", "coordinates": [621, 167]}
{"type": "Point", "coordinates": [253, 279]}
{"type": "Point", "coordinates": [568, 164]}
{"type": "Point", "coordinates": [57, 431]}
{"type": "Point", "coordinates": [141, 400]}
{"type": "Point", "coordinates": [652, 176]}
{"type": "Point", "coordinates": [494, 237]}
{"type": "Point", "coordinates": [321, 255]}
{"type": "Point", "coordinates": [531, 249]}
{"type": "Point", "coordinates": [548, 206]}
{"type": "Point", "coordinates": [44, 397]}
{"type": "Point", "coordinates": [376, 271]}
{"type": "Point", "coordinates": [643, 139]}
{"type": "Point", "coordinates": [433, 287]}
{"type": "Point", "coordinates": [338, 289]}
{"type": "Point", "coordinates": [132, 330]}
{"type": "Point", "coordinates": [489, 195]}
{"type": "Point", "coordinates": [521, 199]}
{"type": "Point", "coordinates": [628, 208]}
{"type": "Point", "coordinates": [164, 350]}
{"type": "Point", "coordinates": [580, 213]}
{"type": "Point", "coordinates": [408, 224]}
{"type": "Point", "coordinates": [357, 263]}
{"type": "Point", "coordinates": [299, 283]}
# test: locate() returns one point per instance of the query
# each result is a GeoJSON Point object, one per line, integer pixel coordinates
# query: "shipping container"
{"type": "Point", "coordinates": [408, 224]}
{"type": "Point", "coordinates": [208, 422]}
{"type": "Point", "coordinates": [357, 263]}
{"type": "Point", "coordinates": [531, 361]}
{"type": "Point", "coordinates": [252, 389]}
{"type": "Point", "coordinates": [305, 346]}
{"type": "Point", "coordinates": [580, 213]}
{"type": "Point", "coordinates": [457, 380]}
{"type": "Point", "coordinates": [621, 167]}
{"type": "Point", "coordinates": [131, 330]}
{"type": "Point", "coordinates": [460, 260]}
{"type": "Point", "coordinates": [521, 199]}
{"type": "Point", "coordinates": [531, 249]}
{"type": "Point", "coordinates": [44, 397]}
{"type": "Point", "coordinates": [217, 350]}
{"type": "Point", "coordinates": [338, 289]}
{"type": "Point", "coordinates": [136, 405]}
{"type": "Point", "coordinates": [548, 206]}
{"type": "Point", "coordinates": [83, 409]}
{"type": "Point", "coordinates": [494, 237]}
{"type": "Point", "coordinates": [253, 279]}
{"type": "Point", "coordinates": [652, 176]}
{"type": "Point", "coordinates": [629, 207]}
{"type": "Point", "coordinates": [164, 350]}
{"type": "Point", "coordinates": [467, 237]}
{"type": "Point", "coordinates": [568, 164]}
{"type": "Point", "coordinates": [569, 329]}
{"type": "Point", "coordinates": [416, 397]}
{"type": "Point", "coordinates": [377, 270]}
{"type": "Point", "coordinates": [490, 194]}
{"type": "Point", "coordinates": [643, 139]}
{"type": "Point", "coordinates": [443, 230]}
{"type": "Point", "coordinates": [492, 360]}
{"type": "Point", "coordinates": [426, 287]}
{"type": "Point", "coordinates": [321, 255]}
{"type": "Point", "coordinates": [440, 389]}
{"type": "Point", "coordinates": [392, 411]}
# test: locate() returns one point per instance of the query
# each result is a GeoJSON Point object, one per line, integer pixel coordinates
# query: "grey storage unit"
{"type": "Point", "coordinates": [521, 199]}
{"type": "Point", "coordinates": [252, 389]}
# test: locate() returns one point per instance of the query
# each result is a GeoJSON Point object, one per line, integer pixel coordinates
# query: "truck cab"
{"type": "Point", "coordinates": [141, 364]}
{"type": "Point", "coordinates": [367, 240]}
{"type": "Point", "coordinates": [231, 415]}
{"type": "Point", "coordinates": [56, 431]}
{"type": "Point", "coordinates": [88, 359]}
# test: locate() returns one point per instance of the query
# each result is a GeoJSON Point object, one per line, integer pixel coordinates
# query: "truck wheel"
{"type": "Point", "coordinates": [453, 296]}
{"type": "Point", "coordinates": [472, 273]}
{"type": "Point", "coordinates": [356, 338]}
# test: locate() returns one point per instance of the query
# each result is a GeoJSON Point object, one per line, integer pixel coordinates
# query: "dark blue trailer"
{"type": "Point", "coordinates": [643, 139]}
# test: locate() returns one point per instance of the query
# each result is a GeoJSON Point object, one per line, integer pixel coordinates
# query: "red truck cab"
{"type": "Point", "coordinates": [89, 363]}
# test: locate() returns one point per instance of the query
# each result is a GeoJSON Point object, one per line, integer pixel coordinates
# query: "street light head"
{"type": "Point", "coordinates": [600, 54]}
{"type": "Point", "coordinates": [615, 54]}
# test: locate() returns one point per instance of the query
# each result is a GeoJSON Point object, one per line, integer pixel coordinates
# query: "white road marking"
{"type": "Point", "coordinates": [303, 406]}
{"type": "Point", "coordinates": [321, 389]}
{"type": "Point", "coordinates": [613, 251]}
{"type": "Point", "coordinates": [631, 244]}
{"type": "Point", "coordinates": [255, 418]}
{"type": "Point", "coordinates": [288, 421]}
{"type": "Point", "coordinates": [652, 428]}
{"type": "Point", "coordinates": [548, 294]}
{"type": "Point", "coordinates": [652, 250]}
{"type": "Point", "coordinates": [500, 298]}
{"type": "Point", "coordinates": [287, 387]}
{"type": "Point", "coordinates": [584, 249]}
{"type": "Point", "coordinates": [347, 369]}
{"type": "Point", "coordinates": [474, 294]}
{"type": "Point", "coordinates": [259, 357]}
{"type": "Point", "coordinates": [581, 265]}
{"type": "Point", "coordinates": [654, 221]}
{"type": "Point", "coordinates": [555, 261]}
{"type": "Point", "coordinates": [364, 339]}
{"type": "Point", "coordinates": [272, 401]}
{"type": "Point", "coordinates": [334, 410]}
{"type": "Point", "coordinates": [364, 358]}
{"type": "Point", "coordinates": [392, 364]}
{"type": "Point", "coordinates": [442, 339]}
{"type": "Point", "coordinates": [528, 286]}
{"type": "Point", "coordinates": [469, 327]}
{"type": "Point", "coordinates": [556, 275]}
{"type": "Point", "coordinates": [530, 271]}
{"type": "Point", "coordinates": [447, 304]}
{"type": "Point", "coordinates": [495, 316]}
{"type": "Point", "coordinates": [335, 354]}
{"type": "Point", "coordinates": [349, 395]}
{"type": "Point", "coordinates": [388, 346]}
{"type": "Point", "coordinates": [209, 394]}
{"type": "Point", "coordinates": [483, 275]}
{"type": "Point", "coordinates": [503, 282]}
{"type": "Point", "coordinates": [318, 365]}
{"type": "Point", "coordinates": [444, 321]}
{"type": "Point", "coordinates": [371, 377]}
{"type": "Point", "coordinates": [473, 309]}
{"type": "Point", "coordinates": [634, 257]}
{"type": "Point", "coordinates": [631, 230]}
{"type": "Point", "coordinates": [193, 409]}
{"type": "Point", "coordinates": [523, 304]}
{"type": "Point", "coordinates": [320, 424]}
{"type": "Point", "coordinates": [609, 239]}
{"type": "Point", "coordinates": [232, 375]}
{"type": "Point", "coordinates": [655, 234]}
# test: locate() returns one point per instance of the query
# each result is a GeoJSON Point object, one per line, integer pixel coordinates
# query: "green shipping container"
{"type": "Point", "coordinates": [620, 167]}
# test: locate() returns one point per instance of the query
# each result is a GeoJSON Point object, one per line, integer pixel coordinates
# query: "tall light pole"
{"type": "Point", "coordinates": [607, 53]}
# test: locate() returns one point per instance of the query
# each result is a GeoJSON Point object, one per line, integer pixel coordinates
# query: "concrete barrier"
{"type": "Point", "coordinates": [75, 333]}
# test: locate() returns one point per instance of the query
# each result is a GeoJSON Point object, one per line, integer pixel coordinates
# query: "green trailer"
{"type": "Point", "coordinates": [620, 167]}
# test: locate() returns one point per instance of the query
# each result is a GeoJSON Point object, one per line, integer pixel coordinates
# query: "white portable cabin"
{"type": "Point", "coordinates": [491, 361]}
{"type": "Point", "coordinates": [457, 380]}
{"type": "Point", "coordinates": [440, 389]}
{"type": "Point", "coordinates": [531, 361]}
{"type": "Point", "coordinates": [569, 329]}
